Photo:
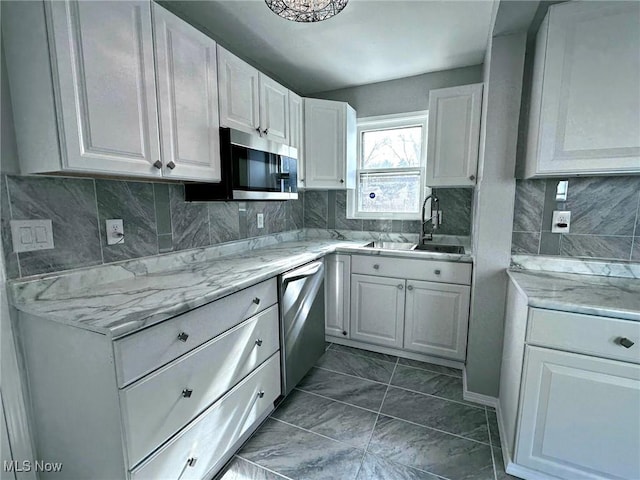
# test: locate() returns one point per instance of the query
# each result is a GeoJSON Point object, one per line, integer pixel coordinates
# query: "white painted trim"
{"type": "Point", "coordinates": [477, 397]}
{"type": "Point", "coordinates": [13, 394]}
{"type": "Point", "coordinates": [394, 351]}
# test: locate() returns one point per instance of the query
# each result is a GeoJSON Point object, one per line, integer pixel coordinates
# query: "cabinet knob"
{"type": "Point", "coordinates": [472, 177]}
{"type": "Point", "coordinates": [376, 267]}
{"type": "Point", "coordinates": [182, 336]}
{"type": "Point", "coordinates": [437, 272]}
{"type": "Point", "coordinates": [342, 180]}
{"type": "Point", "coordinates": [625, 342]}
{"type": "Point", "coordinates": [400, 287]}
{"type": "Point", "coordinates": [186, 393]}
{"type": "Point", "coordinates": [259, 131]}
{"type": "Point", "coordinates": [265, 131]}
{"type": "Point", "coordinates": [410, 287]}
{"type": "Point", "coordinates": [260, 394]}
{"type": "Point", "coordinates": [259, 342]}
{"type": "Point", "coordinates": [256, 301]}
{"type": "Point", "coordinates": [171, 165]}
{"type": "Point", "coordinates": [302, 180]}
{"type": "Point", "coordinates": [192, 461]}
{"type": "Point", "coordinates": [344, 332]}
{"type": "Point", "coordinates": [157, 164]}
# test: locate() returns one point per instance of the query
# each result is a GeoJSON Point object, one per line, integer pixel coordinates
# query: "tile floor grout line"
{"type": "Point", "coordinates": [334, 400]}
{"type": "Point", "coordinates": [350, 375]}
{"type": "Point", "coordinates": [364, 356]}
{"type": "Point", "coordinates": [479, 407]}
{"type": "Point", "coordinates": [431, 371]}
{"type": "Point", "coordinates": [263, 468]}
{"type": "Point", "coordinates": [493, 460]}
{"type": "Point", "coordinates": [366, 448]}
{"type": "Point", "coordinates": [315, 433]}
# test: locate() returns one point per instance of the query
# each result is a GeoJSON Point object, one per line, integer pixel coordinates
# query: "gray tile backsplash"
{"type": "Point", "coordinates": [328, 209]}
{"type": "Point", "coordinates": [155, 216]}
{"type": "Point", "coordinates": [605, 214]}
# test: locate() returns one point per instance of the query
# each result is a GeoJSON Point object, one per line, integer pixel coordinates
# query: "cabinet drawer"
{"type": "Point", "coordinates": [429, 270]}
{"type": "Point", "coordinates": [588, 334]}
{"type": "Point", "coordinates": [160, 404]}
{"type": "Point", "coordinates": [144, 351]}
{"type": "Point", "coordinates": [209, 437]}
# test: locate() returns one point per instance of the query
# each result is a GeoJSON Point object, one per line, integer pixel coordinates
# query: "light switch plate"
{"type": "Point", "coordinates": [560, 217]}
{"type": "Point", "coordinates": [260, 220]}
{"type": "Point", "coordinates": [29, 235]}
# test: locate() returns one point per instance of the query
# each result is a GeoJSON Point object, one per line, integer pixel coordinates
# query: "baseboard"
{"type": "Point", "coordinates": [476, 397]}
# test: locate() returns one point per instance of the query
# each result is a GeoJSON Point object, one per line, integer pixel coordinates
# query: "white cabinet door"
{"type": "Point", "coordinates": [436, 319]}
{"type": "Point", "coordinates": [337, 277]}
{"type": "Point", "coordinates": [239, 87]}
{"type": "Point", "coordinates": [188, 99]}
{"type": "Point", "coordinates": [585, 97]}
{"type": "Point", "coordinates": [579, 416]}
{"type": "Point", "coordinates": [296, 131]}
{"type": "Point", "coordinates": [330, 144]}
{"type": "Point", "coordinates": [377, 310]}
{"type": "Point", "coordinates": [274, 110]}
{"type": "Point", "coordinates": [454, 136]}
{"type": "Point", "coordinates": [106, 84]}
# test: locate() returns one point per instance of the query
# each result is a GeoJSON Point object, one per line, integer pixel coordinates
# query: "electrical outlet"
{"type": "Point", "coordinates": [260, 220]}
{"type": "Point", "coordinates": [561, 221]}
{"type": "Point", "coordinates": [115, 232]}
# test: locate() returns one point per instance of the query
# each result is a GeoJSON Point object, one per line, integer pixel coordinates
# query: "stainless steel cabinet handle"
{"type": "Point", "coordinates": [472, 177]}
{"type": "Point", "coordinates": [265, 131]}
{"type": "Point", "coordinates": [256, 301]}
{"type": "Point", "coordinates": [400, 287]}
{"type": "Point", "coordinates": [259, 342]}
{"type": "Point", "coordinates": [182, 336]}
{"type": "Point", "coordinates": [437, 272]}
{"type": "Point", "coordinates": [344, 332]}
{"type": "Point", "coordinates": [260, 394]}
{"type": "Point", "coordinates": [342, 180]}
{"type": "Point", "coordinates": [157, 164]}
{"type": "Point", "coordinates": [259, 131]}
{"type": "Point", "coordinates": [410, 287]}
{"type": "Point", "coordinates": [192, 461]}
{"type": "Point", "coordinates": [171, 165]}
{"type": "Point", "coordinates": [376, 267]}
{"type": "Point", "coordinates": [625, 342]}
{"type": "Point", "coordinates": [186, 393]}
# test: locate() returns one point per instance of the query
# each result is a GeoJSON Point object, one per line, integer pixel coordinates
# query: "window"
{"type": "Point", "coordinates": [390, 167]}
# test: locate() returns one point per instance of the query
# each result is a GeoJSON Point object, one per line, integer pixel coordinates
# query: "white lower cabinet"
{"type": "Point", "coordinates": [417, 312]}
{"type": "Point", "coordinates": [198, 451]}
{"type": "Point", "coordinates": [580, 416]}
{"type": "Point", "coordinates": [377, 310]}
{"type": "Point", "coordinates": [436, 319]}
{"type": "Point", "coordinates": [337, 283]}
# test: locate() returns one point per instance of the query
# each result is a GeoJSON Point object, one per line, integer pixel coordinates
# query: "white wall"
{"type": "Point", "coordinates": [493, 216]}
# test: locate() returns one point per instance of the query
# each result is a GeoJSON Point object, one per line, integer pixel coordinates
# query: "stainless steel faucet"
{"type": "Point", "coordinates": [435, 222]}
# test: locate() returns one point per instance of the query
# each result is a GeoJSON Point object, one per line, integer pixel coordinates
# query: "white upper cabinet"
{"type": "Point", "coordinates": [454, 136]}
{"type": "Point", "coordinates": [187, 99]}
{"type": "Point", "coordinates": [330, 144]}
{"type": "Point", "coordinates": [585, 97]}
{"type": "Point", "coordinates": [98, 113]}
{"type": "Point", "coordinates": [296, 132]}
{"type": "Point", "coordinates": [250, 101]}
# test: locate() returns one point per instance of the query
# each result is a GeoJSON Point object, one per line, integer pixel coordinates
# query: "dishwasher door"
{"type": "Point", "coordinates": [301, 321]}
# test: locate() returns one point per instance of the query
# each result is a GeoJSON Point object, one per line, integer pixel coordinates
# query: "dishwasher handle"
{"type": "Point", "coordinates": [303, 272]}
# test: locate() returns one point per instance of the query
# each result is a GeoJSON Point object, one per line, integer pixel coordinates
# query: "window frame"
{"type": "Point", "coordinates": [383, 122]}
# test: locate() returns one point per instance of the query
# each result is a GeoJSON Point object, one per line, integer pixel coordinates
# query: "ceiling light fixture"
{"type": "Point", "coordinates": [306, 10]}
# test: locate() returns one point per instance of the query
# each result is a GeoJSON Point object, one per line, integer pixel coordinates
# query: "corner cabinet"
{"type": "Point", "coordinates": [585, 99]}
{"type": "Point", "coordinates": [454, 136]}
{"type": "Point", "coordinates": [569, 404]}
{"type": "Point", "coordinates": [330, 144]}
{"type": "Point", "coordinates": [250, 101]}
{"type": "Point", "coordinates": [86, 101]}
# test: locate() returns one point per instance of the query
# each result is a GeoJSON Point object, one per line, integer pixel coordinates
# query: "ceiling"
{"type": "Point", "coordinates": [369, 41]}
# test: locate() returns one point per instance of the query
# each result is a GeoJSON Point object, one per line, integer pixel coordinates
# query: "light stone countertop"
{"type": "Point", "coordinates": [590, 294]}
{"type": "Point", "coordinates": [126, 303]}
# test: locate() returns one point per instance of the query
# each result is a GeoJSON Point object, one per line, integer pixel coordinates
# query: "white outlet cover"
{"type": "Point", "coordinates": [29, 235]}
{"type": "Point", "coordinates": [560, 216]}
{"type": "Point", "coordinates": [115, 231]}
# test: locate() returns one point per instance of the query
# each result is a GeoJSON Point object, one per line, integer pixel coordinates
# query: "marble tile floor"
{"type": "Point", "coordinates": [361, 415]}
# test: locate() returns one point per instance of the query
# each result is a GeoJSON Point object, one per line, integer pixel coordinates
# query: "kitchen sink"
{"type": "Point", "coordinates": [439, 247]}
{"type": "Point", "coordinates": [391, 245]}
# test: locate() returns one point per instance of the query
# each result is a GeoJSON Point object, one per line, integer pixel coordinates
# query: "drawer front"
{"type": "Point", "coordinates": [428, 270]}
{"type": "Point", "coordinates": [209, 437]}
{"type": "Point", "coordinates": [589, 334]}
{"type": "Point", "coordinates": [144, 351]}
{"type": "Point", "coordinates": [160, 404]}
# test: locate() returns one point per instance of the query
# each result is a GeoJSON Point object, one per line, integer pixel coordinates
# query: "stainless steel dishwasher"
{"type": "Point", "coordinates": [301, 321]}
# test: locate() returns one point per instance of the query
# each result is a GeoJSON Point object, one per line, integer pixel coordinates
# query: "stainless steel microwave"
{"type": "Point", "coordinates": [253, 168]}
